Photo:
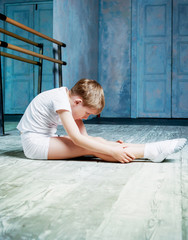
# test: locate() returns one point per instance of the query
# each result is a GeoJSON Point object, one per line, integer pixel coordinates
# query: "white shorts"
{"type": "Point", "coordinates": [35, 145]}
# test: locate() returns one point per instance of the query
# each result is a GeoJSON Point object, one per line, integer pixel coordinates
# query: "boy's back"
{"type": "Point", "coordinates": [41, 116]}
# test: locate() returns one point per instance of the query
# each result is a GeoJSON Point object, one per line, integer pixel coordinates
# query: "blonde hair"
{"type": "Point", "coordinates": [91, 93]}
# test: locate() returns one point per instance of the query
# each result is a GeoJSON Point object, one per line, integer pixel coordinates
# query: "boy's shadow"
{"type": "Point", "coordinates": [14, 154]}
{"type": "Point", "coordinates": [20, 154]}
{"type": "Point", "coordinates": [149, 161]}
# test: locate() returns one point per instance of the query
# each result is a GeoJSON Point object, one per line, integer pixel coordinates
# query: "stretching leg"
{"type": "Point", "coordinates": [102, 140]}
{"type": "Point", "coordinates": [156, 151]}
{"type": "Point", "coordinates": [64, 148]}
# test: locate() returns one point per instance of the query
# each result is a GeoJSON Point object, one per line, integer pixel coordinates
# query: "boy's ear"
{"type": "Point", "coordinates": [77, 101]}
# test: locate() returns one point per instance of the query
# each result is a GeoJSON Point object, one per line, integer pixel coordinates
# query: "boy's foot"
{"type": "Point", "coordinates": [158, 151]}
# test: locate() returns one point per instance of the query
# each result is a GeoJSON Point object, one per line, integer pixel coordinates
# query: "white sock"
{"type": "Point", "coordinates": [158, 151]}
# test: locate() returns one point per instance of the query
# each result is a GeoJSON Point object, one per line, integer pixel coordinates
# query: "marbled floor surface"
{"type": "Point", "coordinates": [86, 199]}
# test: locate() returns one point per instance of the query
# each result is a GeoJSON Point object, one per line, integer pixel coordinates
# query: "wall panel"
{"type": "Point", "coordinates": [114, 56]}
{"type": "Point", "coordinates": [151, 59]}
{"type": "Point", "coordinates": [180, 59]}
{"type": "Point", "coordinates": [76, 24]}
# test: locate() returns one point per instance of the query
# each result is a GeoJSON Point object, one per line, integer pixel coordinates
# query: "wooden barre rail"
{"type": "Point", "coordinates": [19, 58]}
{"type": "Point", "coordinates": [19, 49]}
{"type": "Point", "coordinates": [25, 51]}
{"type": "Point", "coordinates": [20, 25]}
{"type": "Point", "coordinates": [19, 37]}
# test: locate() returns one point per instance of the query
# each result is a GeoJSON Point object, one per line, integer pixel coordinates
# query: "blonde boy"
{"type": "Point", "coordinates": [49, 109]}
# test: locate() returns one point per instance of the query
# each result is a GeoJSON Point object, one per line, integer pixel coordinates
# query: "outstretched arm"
{"type": "Point", "coordinates": [81, 127]}
{"type": "Point", "coordinates": [84, 141]}
{"type": "Point", "coordinates": [83, 131]}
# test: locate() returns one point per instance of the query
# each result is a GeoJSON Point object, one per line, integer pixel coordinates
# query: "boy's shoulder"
{"type": "Point", "coordinates": [54, 91]}
{"type": "Point", "coordinates": [55, 94]}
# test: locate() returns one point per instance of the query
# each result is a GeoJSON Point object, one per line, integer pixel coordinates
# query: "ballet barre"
{"type": "Point", "coordinates": [28, 29]}
{"type": "Point", "coordinates": [39, 55]}
{"type": "Point", "coordinates": [23, 50]}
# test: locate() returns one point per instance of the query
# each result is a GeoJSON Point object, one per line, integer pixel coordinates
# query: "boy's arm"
{"type": "Point", "coordinates": [77, 137]}
{"type": "Point", "coordinates": [83, 131]}
{"type": "Point", "coordinates": [86, 142]}
{"type": "Point", "coordinates": [81, 127]}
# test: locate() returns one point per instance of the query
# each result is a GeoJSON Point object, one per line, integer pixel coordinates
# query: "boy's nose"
{"type": "Point", "coordinates": [85, 117]}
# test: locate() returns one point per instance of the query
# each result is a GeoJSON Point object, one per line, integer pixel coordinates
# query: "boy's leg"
{"type": "Point", "coordinates": [156, 151]}
{"type": "Point", "coordinates": [118, 142]}
{"type": "Point", "coordinates": [138, 152]}
{"type": "Point", "coordinates": [64, 148]}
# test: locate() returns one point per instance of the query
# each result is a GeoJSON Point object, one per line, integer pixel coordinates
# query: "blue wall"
{"type": "Point", "coordinates": [97, 34]}
{"type": "Point", "coordinates": [76, 24]}
{"type": "Point", "coordinates": [100, 35]}
{"type": "Point", "coordinates": [114, 58]}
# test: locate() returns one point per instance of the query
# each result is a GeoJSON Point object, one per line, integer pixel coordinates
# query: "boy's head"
{"type": "Point", "coordinates": [91, 92]}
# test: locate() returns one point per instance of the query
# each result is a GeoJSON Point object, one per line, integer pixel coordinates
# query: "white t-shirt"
{"type": "Point", "coordinates": [41, 116]}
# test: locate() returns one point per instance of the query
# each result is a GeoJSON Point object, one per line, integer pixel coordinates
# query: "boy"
{"type": "Point", "coordinates": [39, 123]}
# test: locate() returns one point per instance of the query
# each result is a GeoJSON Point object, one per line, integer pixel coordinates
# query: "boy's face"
{"type": "Point", "coordinates": [81, 112]}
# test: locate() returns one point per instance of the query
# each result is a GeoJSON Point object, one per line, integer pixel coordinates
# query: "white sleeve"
{"type": "Point", "coordinates": [60, 101]}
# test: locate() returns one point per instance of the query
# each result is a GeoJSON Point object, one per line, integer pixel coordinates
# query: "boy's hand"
{"type": "Point", "coordinates": [122, 155]}
{"type": "Point", "coordinates": [124, 145]}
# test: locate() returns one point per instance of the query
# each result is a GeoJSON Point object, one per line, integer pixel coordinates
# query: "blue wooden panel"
{"type": "Point", "coordinates": [154, 58]}
{"type": "Point", "coordinates": [155, 19]}
{"type": "Point", "coordinates": [43, 22]}
{"type": "Point", "coordinates": [21, 79]}
{"type": "Point", "coordinates": [134, 85]}
{"type": "Point", "coordinates": [114, 56]}
{"type": "Point", "coordinates": [180, 59]}
{"type": "Point", "coordinates": [18, 77]}
{"type": "Point", "coordinates": [155, 96]}
{"type": "Point", "coordinates": [151, 58]}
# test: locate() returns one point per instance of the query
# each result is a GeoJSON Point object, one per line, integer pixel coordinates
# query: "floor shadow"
{"type": "Point", "coordinates": [149, 161]}
{"type": "Point", "coordinates": [138, 121]}
{"type": "Point", "coordinates": [81, 159]}
{"type": "Point", "coordinates": [169, 160]}
{"type": "Point", "coordinates": [14, 154]}
{"type": "Point", "coordinates": [20, 154]}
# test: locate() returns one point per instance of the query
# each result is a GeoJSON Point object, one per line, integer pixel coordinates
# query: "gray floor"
{"type": "Point", "coordinates": [88, 199]}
